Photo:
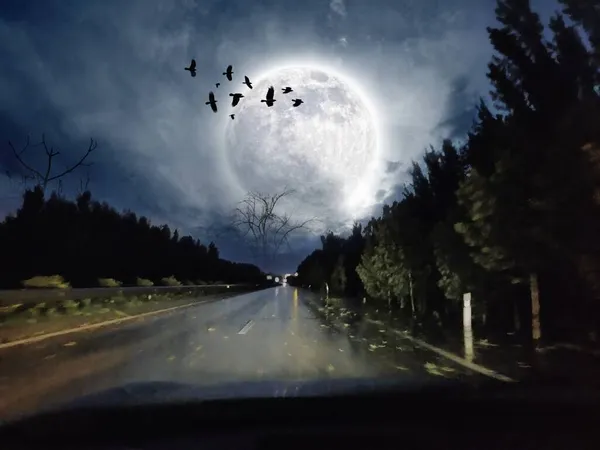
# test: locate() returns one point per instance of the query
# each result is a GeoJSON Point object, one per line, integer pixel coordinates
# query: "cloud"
{"type": "Point", "coordinates": [338, 7]}
{"type": "Point", "coordinates": [392, 166]}
{"type": "Point", "coordinates": [114, 71]}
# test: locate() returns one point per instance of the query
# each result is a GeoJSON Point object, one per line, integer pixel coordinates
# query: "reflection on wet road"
{"type": "Point", "coordinates": [275, 334]}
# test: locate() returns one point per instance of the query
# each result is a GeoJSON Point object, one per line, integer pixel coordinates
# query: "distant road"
{"type": "Point", "coordinates": [268, 334]}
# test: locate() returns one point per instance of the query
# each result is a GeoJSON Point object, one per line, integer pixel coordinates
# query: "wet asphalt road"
{"type": "Point", "coordinates": [274, 334]}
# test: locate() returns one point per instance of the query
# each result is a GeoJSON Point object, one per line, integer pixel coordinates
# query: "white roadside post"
{"type": "Point", "coordinates": [467, 329]}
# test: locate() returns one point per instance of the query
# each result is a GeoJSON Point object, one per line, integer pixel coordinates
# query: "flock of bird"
{"type": "Point", "coordinates": [269, 99]}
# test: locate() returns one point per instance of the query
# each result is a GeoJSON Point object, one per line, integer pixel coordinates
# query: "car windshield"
{"type": "Point", "coordinates": [206, 194]}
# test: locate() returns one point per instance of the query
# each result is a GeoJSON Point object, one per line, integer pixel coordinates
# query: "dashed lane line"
{"type": "Point", "coordinates": [246, 327]}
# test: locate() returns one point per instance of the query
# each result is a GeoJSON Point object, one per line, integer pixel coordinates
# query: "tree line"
{"type": "Point", "coordinates": [512, 214]}
{"type": "Point", "coordinates": [85, 240]}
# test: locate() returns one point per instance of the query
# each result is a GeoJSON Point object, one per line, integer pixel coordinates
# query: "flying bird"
{"type": "Point", "coordinates": [217, 84]}
{"type": "Point", "coordinates": [247, 82]}
{"type": "Point", "coordinates": [236, 99]}
{"type": "Point", "coordinates": [192, 68]}
{"type": "Point", "coordinates": [212, 102]}
{"type": "Point", "coordinates": [229, 72]}
{"type": "Point", "coordinates": [232, 116]}
{"type": "Point", "coordinates": [287, 90]}
{"type": "Point", "coordinates": [270, 94]}
{"type": "Point", "coordinates": [297, 102]}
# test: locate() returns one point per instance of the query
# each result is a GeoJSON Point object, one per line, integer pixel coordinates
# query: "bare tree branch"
{"type": "Point", "coordinates": [23, 163]}
{"type": "Point", "coordinates": [59, 190]}
{"type": "Point", "coordinates": [46, 177]}
{"type": "Point", "coordinates": [91, 148]}
{"type": "Point", "coordinates": [84, 183]}
{"type": "Point", "coordinates": [256, 218]}
{"type": "Point", "coordinates": [25, 178]}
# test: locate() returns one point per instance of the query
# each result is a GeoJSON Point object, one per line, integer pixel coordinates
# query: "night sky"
{"type": "Point", "coordinates": [381, 80]}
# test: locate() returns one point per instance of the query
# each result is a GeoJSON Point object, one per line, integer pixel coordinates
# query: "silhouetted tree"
{"type": "Point", "coordinates": [267, 230]}
{"type": "Point", "coordinates": [213, 251]}
{"type": "Point", "coordinates": [84, 240]}
{"type": "Point", "coordinates": [512, 214]}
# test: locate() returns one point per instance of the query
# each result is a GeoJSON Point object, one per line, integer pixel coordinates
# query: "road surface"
{"type": "Point", "coordinates": [274, 334]}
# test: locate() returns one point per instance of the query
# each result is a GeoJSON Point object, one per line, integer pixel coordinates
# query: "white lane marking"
{"type": "Point", "coordinates": [451, 356]}
{"type": "Point", "coordinates": [246, 327]}
{"type": "Point", "coordinates": [93, 326]}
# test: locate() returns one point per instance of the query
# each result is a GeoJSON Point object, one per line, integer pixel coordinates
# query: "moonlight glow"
{"type": "Point", "coordinates": [326, 149]}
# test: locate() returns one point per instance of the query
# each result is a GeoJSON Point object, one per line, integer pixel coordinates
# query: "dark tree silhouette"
{"type": "Point", "coordinates": [85, 240]}
{"type": "Point", "coordinates": [266, 230]}
{"type": "Point", "coordinates": [512, 214]}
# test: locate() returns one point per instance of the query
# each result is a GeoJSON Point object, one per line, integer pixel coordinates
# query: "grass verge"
{"type": "Point", "coordinates": [21, 322]}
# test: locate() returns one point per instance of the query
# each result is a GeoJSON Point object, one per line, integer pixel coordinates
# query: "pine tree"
{"type": "Point", "coordinates": [338, 277]}
{"type": "Point", "coordinates": [525, 215]}
{"type": "Point", "coordinates": [586, 13]}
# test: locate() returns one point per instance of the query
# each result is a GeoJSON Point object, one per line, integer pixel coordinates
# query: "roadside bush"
{"type": "Point", "coordinates": [170, 281]}
{"type": "Point", "coordinates": [201, 282]}
{"type": "Point", "coordinates": [133, 301]}
{"type": "Point", "coordinates": [143, 282]}
{"type": "Point", "coordinates": [69, 306]}
{"type": "Point", "coordinates": [85, 302]}
{"type": "Point", "coordinates": [35, 310]}
{"type": "Point", "coordinates": [119, 299]}
{"type": "Point", "coordinates": [218, 282]}
{"type": "Point", "coordinates": [52, 281]}
{"type": "Point", "coordinates": [109, 283]}
{"type": "Point", "coordinates": [188, 283]}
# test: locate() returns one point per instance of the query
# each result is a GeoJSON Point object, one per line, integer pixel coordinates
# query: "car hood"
{"type": "Point", "coordinates": [161, 392]}
{"type": "Point", "coordinates": [173, 392]}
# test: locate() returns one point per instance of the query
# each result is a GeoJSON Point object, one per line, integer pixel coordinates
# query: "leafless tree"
{"type": "Point", "coordinates": [44, 177]}
{"type": "Point", "coordinates": [59, 189]}
{"type": "Point", "coordinates": [84, 183]}
{"type": "Point", "coordinates": [256, 219]}
{"type": "Point", "coordinates": [23, 179]}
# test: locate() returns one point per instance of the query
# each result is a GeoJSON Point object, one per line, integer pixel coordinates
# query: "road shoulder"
{"type": "Point", "coordinates": [23, 333]}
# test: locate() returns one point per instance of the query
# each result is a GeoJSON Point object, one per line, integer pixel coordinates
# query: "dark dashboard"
{"type": "Point", "coordinates": [507, 417]}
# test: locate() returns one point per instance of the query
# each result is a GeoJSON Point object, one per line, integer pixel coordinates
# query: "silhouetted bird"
{"type": "Point", "coordinates": [232, 116]}
{"type": "Point", "coordinates": [212, 102]}
{"type": "Point", "coordinates": [297, 102]}
{"type": "Point", "coordinates": [229, 72]}
{"type": "Point", "coordinates": [287, 90]}
{"type": "Point", "coordinates": [247, 82]}
{"type": "Point", "coordinates": [217, 84]}
{"type": "Point", "coordinates": [192, 68]}
{"type": "Point", "coordinates": [270, 94]}
{"type": "Point", "coordinates": [236, 99]}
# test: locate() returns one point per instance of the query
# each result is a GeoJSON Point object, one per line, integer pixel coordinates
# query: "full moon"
{"type": "Point", "coordinates": [326, 149]}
